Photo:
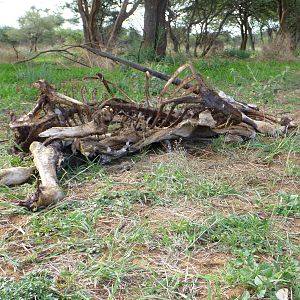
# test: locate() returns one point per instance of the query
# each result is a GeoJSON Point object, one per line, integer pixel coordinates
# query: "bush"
{"type": "Point", "coordinates": [237, 53]}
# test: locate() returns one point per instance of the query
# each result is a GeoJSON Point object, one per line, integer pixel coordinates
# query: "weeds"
{"type": "Point", "coordinates": [234, 232]}
{"type": "Point", "coordinates": [265, 91]}
{"type": "Point", "coordinates": [264, 278]}
{"type": "Point", "coordinates": [288, 206]}
{"type": "Point", "coordinates": [36, 285]}
{"type": "Point", "coordinates": [293, 170]}
{"type": "Point", "coordinates": [129, 196]}
{"type": "Point", "coordinates": [268, 150]}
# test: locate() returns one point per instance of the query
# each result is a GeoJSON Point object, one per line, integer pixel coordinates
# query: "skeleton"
{"type": "Point", "coordinates": [115, 127]}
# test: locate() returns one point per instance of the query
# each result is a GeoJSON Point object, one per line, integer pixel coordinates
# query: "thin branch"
{"type": "Point", "coordinates": [47, 51]}
{"type": "Point", "coordinates": [76, 61]}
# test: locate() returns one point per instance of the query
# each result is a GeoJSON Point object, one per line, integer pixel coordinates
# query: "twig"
{"type": "Point", "coordinates": [76, 61]}
{"type": "Point", "coordinates": [45, 52]}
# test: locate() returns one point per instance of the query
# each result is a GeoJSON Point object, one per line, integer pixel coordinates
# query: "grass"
{"type": "Point", "coordinates": [264, 278]}
{"type": "Point", "coordinates": [251, 81]}
{"type": "Point", "coordinates": [36, 285]}
{"type": "Point", "coordinates": [288, 205]}
{"type": "Point", "coordinates": [231, 233]}
{"type": "Point", "coordinates": [210, 221]}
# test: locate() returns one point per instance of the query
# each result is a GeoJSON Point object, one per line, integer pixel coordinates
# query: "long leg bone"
{"type": "Point", "coordinates": [267, 128]}
{"type": "Point", "coordinates": [15, 176]}
{"type": "Point", "coordinates": [46, 160]}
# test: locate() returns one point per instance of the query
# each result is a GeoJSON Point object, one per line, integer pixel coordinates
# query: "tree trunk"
{"type": "Point", "coordinates": [270, 34]}
{"type": "Point", "coordinates": [16, 51]}
{"type": "Point", "coordinates": [252, 38]}
{"type": "Point", "coordinates": [261, 34]}
{"type": "Point", "coordinates": [197, 44]}
{"type": "Point", "coordinates": [89, 21]}
{"type": "Point", "coordinates": [187, 40]}
{"type": "Point", "coordinates": [244, 36]}
{"type": "Point", "coordinates": [173, 38]}
{"type": "Point", "coordinates": [284, 31]}
{"type": "Point", "coordinates": [155, 33]}
{"type": "Point", "coordinates": [206, 48]}
{"type": "Point", "coordinates": [122, 16]}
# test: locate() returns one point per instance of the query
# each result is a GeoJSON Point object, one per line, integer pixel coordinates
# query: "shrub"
{"type": "Point", "coordinates": [237, 53]}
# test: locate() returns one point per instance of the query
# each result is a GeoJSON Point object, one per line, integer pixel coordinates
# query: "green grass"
{"type": "Point", "coordinates": [248, 80]}
{"type": "Point", "coordinates": [36, 285]}
{"type": "Point", "coordinates": [176, 226]}
{"type": "Point", "coordinates": [264, 278]}
{"type": "Point", "coordinates": [237, 53]}
{"type": "Point", "coordinates": [177, 178]}
{"type": "Point", "coordinates": [287, 205]}
{"type": "Point", "coordinates": [226, 233]}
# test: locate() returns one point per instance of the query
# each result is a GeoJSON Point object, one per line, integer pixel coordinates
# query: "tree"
{"type": "Point", "coordinates": [155, 27]}
{"type": "Point", "coordinates": [122, 16]}
{"type": "Point", "coordinates": [204, 20]}
{"type": "Point", "coordinates": [249, 14]}
{"type": "Point", "coordinates": [37, 23]}
{"type": "Point", "coordinates": [289, 21]}
{"type": "Point", "coordinates": [176, 26]}
{"type": "Point", "coordinates": [243, 12]}
{"type": "Point", "coordinates": [210, 18]}
{"type": "Point", "coordinates": [102, 19]}
{"type": "Point", "coordinates": [68, 36]}
{"type": "Point", "coordinates": [89, 13]}
{"type": "Point", "coordinates": [12, 37]}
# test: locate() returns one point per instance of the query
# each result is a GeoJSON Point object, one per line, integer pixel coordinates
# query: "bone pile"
{"type": "Point", "coordinates": [114, 127]}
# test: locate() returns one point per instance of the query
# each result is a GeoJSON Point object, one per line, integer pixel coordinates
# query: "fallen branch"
{"type": "Point", "coordinates": [46, 52]}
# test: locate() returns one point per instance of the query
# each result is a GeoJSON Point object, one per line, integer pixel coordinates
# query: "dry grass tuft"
{"type": "Point", "coordinates": [277, 49]}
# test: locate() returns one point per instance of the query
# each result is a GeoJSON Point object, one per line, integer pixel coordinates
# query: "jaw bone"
{"type": "Point", "coordinates": [46, 160]}
{"type": "Point", "coordinates": [15, 176]}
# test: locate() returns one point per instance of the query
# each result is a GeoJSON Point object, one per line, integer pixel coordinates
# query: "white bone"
{"type": "Point", "coordinates": [16, 175]}
{"type": "Point", "coordinates": [46, 160]}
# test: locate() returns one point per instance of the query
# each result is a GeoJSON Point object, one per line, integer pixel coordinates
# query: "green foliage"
{"type": "Point", "coordinates": [236, 232]}
{"type": "Point", "coordinates": [270, 149]}
{"type": "Point", "coordinates": [293, 170]}
{"type": "Point", "coordinates": [177, 179]}
{"type": "Point", "coordinates": [64, 224]}
{"type": "Point", "coordinates": [112, 271]}
{"type": "Point", "coordinates": [288, 206]}
{"type": "Point", "coordinates": [266, 90]}
{"type": "Point", "coordinates": [237, 53]}
{"type": "Point", "coordinates": [142, 239]}
{"type": "Point", "coordinates": [37, 24]}
{"type": "Point", "coordinates": [264, 279]}
{"type": "Point", "coordinates": [130, 196]}
{"type": "Point", "coordinates": [10, 35]}
{"type": "Point", "coordinates": [68, 36]}
{"type": "Point", "coordinates": [147, 54]}
{"type": "Point", "coordinates": [35, 285]}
